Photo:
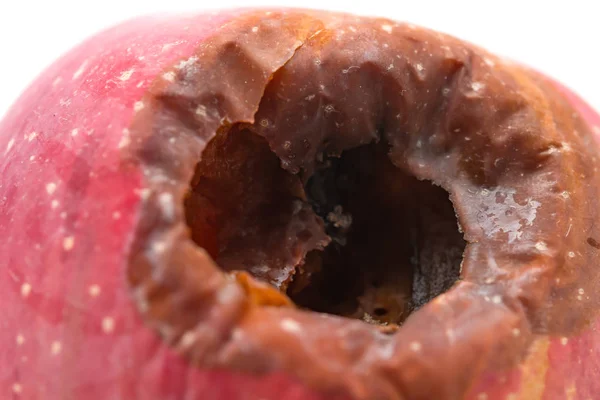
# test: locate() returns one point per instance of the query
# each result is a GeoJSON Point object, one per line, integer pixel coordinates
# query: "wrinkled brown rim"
{"type": "Point", "coordinates": [509, 136]}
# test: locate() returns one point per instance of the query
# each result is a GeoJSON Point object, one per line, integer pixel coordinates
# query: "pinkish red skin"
{"type": "Point", "coordinates": [68, 210]}
{"type": "Point", "coordinates": [67, 213]}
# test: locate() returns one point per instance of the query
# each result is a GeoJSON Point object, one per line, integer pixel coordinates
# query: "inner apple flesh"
{"type": "Point", "coordinates": [358, 237]}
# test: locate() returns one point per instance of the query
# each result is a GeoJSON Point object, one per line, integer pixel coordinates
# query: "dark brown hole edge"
{"type": "Point", "coordinates": [308, 87]}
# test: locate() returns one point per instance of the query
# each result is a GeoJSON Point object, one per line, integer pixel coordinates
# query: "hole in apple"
{"type": "Point", "coordinates": [360, 238]}
{"type": "Point", "coordinates": [379, 311]}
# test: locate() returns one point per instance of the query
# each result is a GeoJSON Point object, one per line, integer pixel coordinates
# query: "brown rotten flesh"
{"type": "Point", "coordinates": [331, 193]}
{"type": "Point", "coordinates": [358, 237]}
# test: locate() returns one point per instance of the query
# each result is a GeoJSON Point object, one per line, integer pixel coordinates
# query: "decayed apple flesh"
{"type": "Point", "coordinates": [304, 152]}
{"type": "Point", "coordinates": [375, 244]}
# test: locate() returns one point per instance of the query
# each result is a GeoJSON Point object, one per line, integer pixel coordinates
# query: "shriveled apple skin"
{"type": "Point", "coordinates": [556, 368]}
{"type": "Point", "coordinates": [68, 211]}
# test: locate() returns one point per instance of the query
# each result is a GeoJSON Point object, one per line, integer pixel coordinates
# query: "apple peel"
{"type": "Point", "coordinates": [109, 295]}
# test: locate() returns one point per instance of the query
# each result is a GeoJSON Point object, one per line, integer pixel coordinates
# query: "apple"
{"type": "Point", "coordinates": [239, 205]}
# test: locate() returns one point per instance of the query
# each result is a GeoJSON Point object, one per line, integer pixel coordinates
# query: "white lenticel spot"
{"type": "Point", "coordinates": [201, 111]}
{"type": "Point", "coordinates": [17, 388]}
{"type": "Point", "coordinates": [125, 75]}
{"type": "Point", "coordinates": [541, 246]}
{"type": "Point", "coordinates": [80, 70]}
{"type": "Point", "coordinates": [596, 129]}
{"type": "Point", "coordinates": [54, 204]}
{"type": "Point", "coordinates": [290, 325]}
{"type": "Point", "coordinates": [169, 76]}
{"type": "Point", "coordinates": [581, 291]}
{"type": "Point", "coordinates": [482, 396]}
{"type": "Point", "coordinates": [415, 346]}
{"type": "Point", "coordinates": [237, 334]}
{"type": "Point", "coordinates": [108, 324]}
{"type": "Point", "coordinates": [187, 63]}
{"type": "Point", "coordinates": [143, 193]}
{"type": "Point", "coordinates": [31, 136]}
{"type": "Point", "coordinates": [50, 188]}
{"type": "Point", "coordinates": [516, 332]}
{"type": "Point", "coordinates": [20, 340]}
{"type": "Point", "coordinates": [56, 348]}
{"type": "Point", "coordinates": [68, 243]}
{"type": "Point", "coordinates": [94, 290]}
{"type": "Point", "coordinates": [167, 205]}
{"type": "Point", "coordinates": [477, 86]}
{"type": "Point", "coordinates": [497, 299]}
{"type": "Point", "coordinates": [138, 106]}
{"type": "Point", "coordinates": [63, 214]}
{"type": "Point", "coordinates": [571, 254]}
{"type": "Point", "coordinates": [116, 215]}
{"type": "Point", "coordinates": [25, 290]}
{"type": "Point", "coordinates": [167, 46]}
{"type": "Point", "coordinates": [56, 81]}
{"type": "Point", "coordinates": [255, 29]}
{"type": "Point", "coordinates": [489, 62]}
{"type": "Point", "coordinates": [387, 28]}
{"type": "Point", "coordinates": [124, 142]}
{"type": "Point", "coordinates": [187, 339]}
{"type": "Point", "coordinates": [74, 132]}
{"type": "Point", "coordinates": [228, 294]}
{"type": "Point", "coordinates": [9, 146]}
{"type": "Point", "coordinates": [511, 396]}
{"type": "Point", "coordinates": [564, 341]}
{"type": "Point", "coordinates": [159, 247]}
{"type": "Point", "coordinates": [565, 194]}
{"type": "Point", "coordinates": [140, 84]}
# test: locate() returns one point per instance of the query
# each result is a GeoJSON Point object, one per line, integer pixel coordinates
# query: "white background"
{"type": "Point", "coordinates": [558, 37]}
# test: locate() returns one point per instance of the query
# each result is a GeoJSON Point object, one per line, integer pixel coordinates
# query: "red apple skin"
{"type": "Point", "coordinates": [68, 212]}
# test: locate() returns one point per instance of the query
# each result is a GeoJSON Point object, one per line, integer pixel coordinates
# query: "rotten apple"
{"type": "Point", "coordinates": [294, 204]}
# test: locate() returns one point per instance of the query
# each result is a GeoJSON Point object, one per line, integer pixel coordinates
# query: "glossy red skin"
{"type": "Point", "coordinates": [68, 210]}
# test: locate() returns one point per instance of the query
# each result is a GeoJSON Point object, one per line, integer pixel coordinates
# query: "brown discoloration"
{"type": "Point", "coordinates": [498, 138]}
{"type": "Point", "coordinates": [534, 370]}
{"type": "Point", "coordinates": [593, 242]}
